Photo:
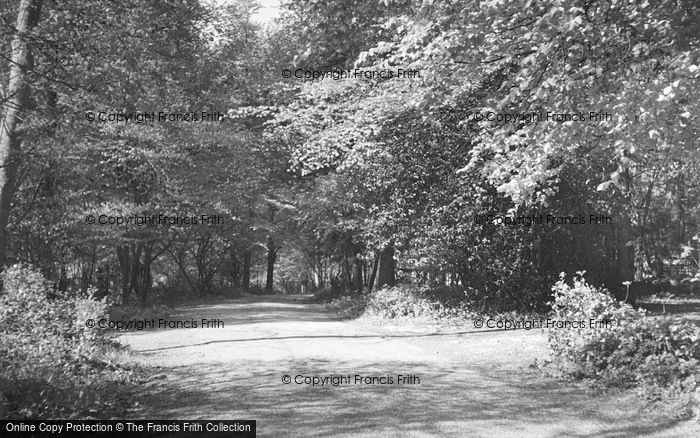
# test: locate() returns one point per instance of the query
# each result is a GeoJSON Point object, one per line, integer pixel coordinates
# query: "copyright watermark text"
{"type": "Point", "coordinates": [542, 219]}
{"type": "Point", "coordinates": [357, 73]}
{"type": "Point", "coordinates": [549, 323]}
{"type": "Point", "coordinates": [351, 379]}
{"type": "Point", "coordinates": [153, 323]}
{"type": "Point", "coordinates": [150, 117]}
{"type": "Point", "coordinates": [154, 219]}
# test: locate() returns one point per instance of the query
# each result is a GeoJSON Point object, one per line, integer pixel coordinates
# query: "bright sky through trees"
{"type": "Point", "coordinates": [269, 10]}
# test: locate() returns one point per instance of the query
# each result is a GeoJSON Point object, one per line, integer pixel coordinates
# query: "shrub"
{"type": "Point", "coordinates": [398, 301]}
{"type": "Point", "coordinates": [259, 290]}
{"type": "Point", "coordinates": [328, 295]}
{"type": "Point", "coordinates": [123, 312]}
{"type": "Point", "coordinates": [44, 327]}
{"type": "Point", "coordinates": [50, 359]}
{"type": "Point", "coordinates": [419, 301]}
{"type": "Point", "coordinates": [633, 349]}
{"type": "Point", "coordinates": [348, 306]}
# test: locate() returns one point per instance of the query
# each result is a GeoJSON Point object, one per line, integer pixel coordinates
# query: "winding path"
{"type": "Point", "coordinates": [472, 384]}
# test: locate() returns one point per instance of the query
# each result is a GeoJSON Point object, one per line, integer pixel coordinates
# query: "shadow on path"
{"type": "Point", "coordinates": [449, 401]}
{"type": "Point", "coordinates": [472, 383]}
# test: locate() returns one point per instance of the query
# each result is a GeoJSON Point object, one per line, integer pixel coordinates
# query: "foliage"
{"type": "Point", "coordinates": [331, 34]}
{"type": "Point", "coordinates": [44, 326]}
{"type": "Point", "coordinates": [332, 172]}
{"type": "Point", "coordinates": [415, 167]}
{"type": "Point", "coordinates": [418, 301]}
{"type": "Point", "coordinates": [633, 350]}
{"type": "Point", "coordinates": [52, 364]}
{"type": "Point", "coordinates": [689, 258]}
{"type": "Point", "coordinates": [127, 312]}
{"type": "Point", "coordinates": [348, 306]}
{"type": "Point", "coordinates": [634, 60]}
{"type": "Point", "coordinates": [73, 168]}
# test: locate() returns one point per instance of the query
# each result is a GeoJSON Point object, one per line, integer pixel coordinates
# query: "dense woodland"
{"type": "Point", "coordinates": [350, 183]}
{"type": "Point", "coordinates": [451, 158]}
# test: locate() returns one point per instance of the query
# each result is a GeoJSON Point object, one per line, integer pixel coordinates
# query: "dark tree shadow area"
{"type": "Point", "coordinates": [688, 309]}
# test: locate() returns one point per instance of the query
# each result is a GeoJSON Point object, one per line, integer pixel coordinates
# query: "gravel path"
{"type": "Point", "coordinates": [463, 384]}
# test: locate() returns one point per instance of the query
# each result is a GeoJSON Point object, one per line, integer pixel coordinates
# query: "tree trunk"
{"type": "Point", "coordinates": [386, 270]}
{"type": "Point", "coordinates": [134, 268]}
{"type": "Point", "coordinates": [373, 275]}
{"type": "Point", "coordinates": [63, 279]}
{"type": "Point", "coordinates": [102, 278]}
{"type": "Point", "coordinates": [346, 274]}
{"type": "Point", "coordinates": [124, 269]}
{"type": "Point", "coordinates": [319, 278]}
{"type": "Point", "coordinates": [135, 274]}
{"type": "Point", "coordinates": [271, 258]}
{"type": "Point", "coordinates": [17, 98]}
{"type": "Point", "coordinates": [87, 271]}
{"type": "Point", "coordinates": [356, 277]}
{"type": "Point", "coordinates": [245, 278]}
{"type": "Point", "coordinates": [235, 267]}
{"type": "Point", "coordinates": [625, 257]}
{"type": "Point", "coordinates": [625, 251]}
{"type": "Point", "coordinates": [144, 281]}
{"type": "Point", "coordinates": [202, 263]}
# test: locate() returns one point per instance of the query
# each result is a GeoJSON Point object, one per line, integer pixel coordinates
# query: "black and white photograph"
{"type": "Point", "coordinates": [350, 218]}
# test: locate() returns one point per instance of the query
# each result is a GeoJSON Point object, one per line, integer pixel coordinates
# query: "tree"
{"type": "Point", "coordinates": [331, 34]}
{"type": "Point", "coordinates": [629, 68]}
{"type": "Point", "coordinates": [14, 102]}
{"type": "Point", "coordinates": [109, 168]}
{"type": "Point", "coordinates": [417, 166]}
{"type": "Point", "coordinates": [272, 249]}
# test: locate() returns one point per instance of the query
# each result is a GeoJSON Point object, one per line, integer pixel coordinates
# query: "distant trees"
{"type": "Point", "coordinates": [75, 170]}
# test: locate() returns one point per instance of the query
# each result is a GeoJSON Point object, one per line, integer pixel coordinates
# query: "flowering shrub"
{"type": "Point", "coordinates": [632, 349]}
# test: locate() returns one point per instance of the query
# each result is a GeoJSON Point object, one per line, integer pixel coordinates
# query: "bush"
{"type": "Point", "coordinates": [49, 358]}
{"type": "Point", "coordinates": [44, 327]}
{"type": "Point", "coordinates": [124, 312]}
{"type": "Point", "coordinates": [632, 350]}
{"type": "Point", "coordinates": [347, 306]}
{"type": "Point", "coordinates": [327, 295]}
{"type": "Point", "coordinates": [411, 301]}
{"type": "Point", "coordinates": [398, 301]}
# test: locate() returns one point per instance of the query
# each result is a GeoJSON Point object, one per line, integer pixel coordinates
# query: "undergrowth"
{"type": "Point", "coordinates": [658, 356]}
{"type": "Point", "coordinates": [52, 364]}
{"type": "Point", "coordinates": [434, 305]}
